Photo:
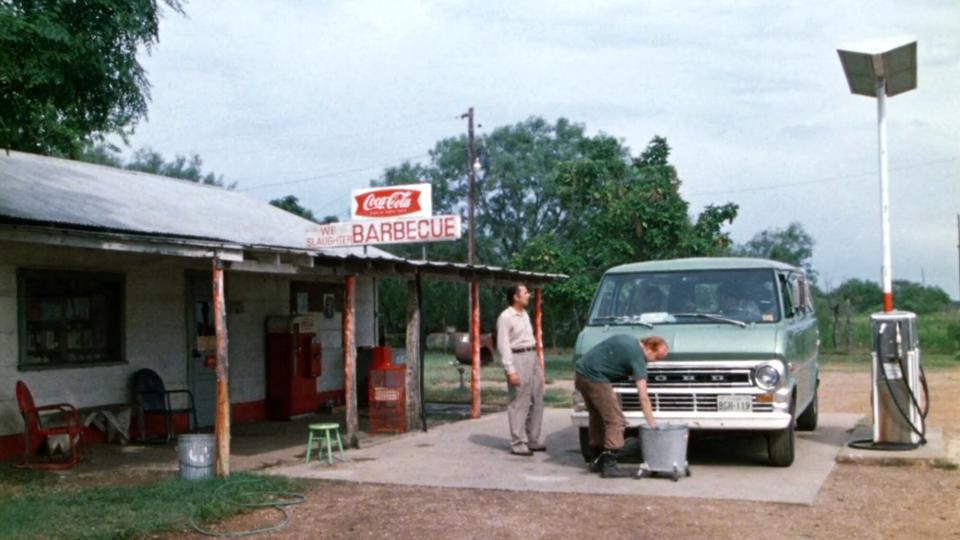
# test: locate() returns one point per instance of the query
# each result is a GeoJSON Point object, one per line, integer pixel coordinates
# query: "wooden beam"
{"type": "Point", "coordinates": [474, 349]}
{"type": "Point", "coordinates": [538, 327]}
{"type": "Point", "coordinates": [222, 419]}
{"type": "Point", "coordinates": [413, 355]}
{"type": "Point", "coordinates": [352, 427]}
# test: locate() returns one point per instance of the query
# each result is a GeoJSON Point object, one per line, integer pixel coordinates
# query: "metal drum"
{"type": "Point", "coordinates": [196, 456]}
{"type": "Point", "coordinates": [664, 450]}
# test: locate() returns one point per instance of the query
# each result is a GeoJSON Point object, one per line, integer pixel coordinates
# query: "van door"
{"type": "Point", "coordinates": [804, 335]}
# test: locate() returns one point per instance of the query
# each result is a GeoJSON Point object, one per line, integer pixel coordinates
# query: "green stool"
{"type": "Point", "coordinates": [323, 430]}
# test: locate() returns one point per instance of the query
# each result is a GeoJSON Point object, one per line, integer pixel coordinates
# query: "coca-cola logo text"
{"type": "Point", "coordinates": [388, 203]}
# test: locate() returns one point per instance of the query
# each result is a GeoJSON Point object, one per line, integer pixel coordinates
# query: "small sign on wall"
{"type": "Point", "coordinates": [328, 306]}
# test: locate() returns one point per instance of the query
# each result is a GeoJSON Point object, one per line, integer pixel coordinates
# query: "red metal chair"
{"type": "Point", "coordinates": [44, 421]}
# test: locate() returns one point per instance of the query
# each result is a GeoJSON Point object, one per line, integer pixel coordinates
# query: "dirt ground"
{"type": "Point", "coordinates": [857, 501]}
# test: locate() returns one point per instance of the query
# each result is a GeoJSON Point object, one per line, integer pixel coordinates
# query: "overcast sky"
{"type": "Point", "coordinates": [750, 95]}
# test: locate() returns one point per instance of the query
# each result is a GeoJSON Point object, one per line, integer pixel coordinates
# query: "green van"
{"type": "Point", "coordinates": [743, 346]}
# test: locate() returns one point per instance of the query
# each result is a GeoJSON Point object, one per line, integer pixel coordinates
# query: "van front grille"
{"type": "Point", "coordinates": [682, 403]}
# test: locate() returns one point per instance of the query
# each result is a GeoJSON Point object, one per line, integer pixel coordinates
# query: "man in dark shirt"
{"type": "Point", "coordinates": [615, 359]}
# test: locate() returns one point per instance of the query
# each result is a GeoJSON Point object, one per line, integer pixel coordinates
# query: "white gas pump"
{"type": "Point", "coordinates": [899, 396]}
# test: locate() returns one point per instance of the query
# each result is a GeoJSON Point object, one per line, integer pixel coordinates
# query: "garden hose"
{"type": "Point", "coordinates": [286, 499]}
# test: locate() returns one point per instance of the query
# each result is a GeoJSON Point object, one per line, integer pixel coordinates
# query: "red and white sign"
{"type": "Point", "coordinates": [413, 200]}
{"type": "Point", "coordinates": [384, 231]}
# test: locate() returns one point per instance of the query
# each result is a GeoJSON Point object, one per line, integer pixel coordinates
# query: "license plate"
{"type": "Point", "coordinates": [734, 403]}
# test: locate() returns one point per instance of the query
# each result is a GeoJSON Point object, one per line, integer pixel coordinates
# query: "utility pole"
{"type": "Point", "coordinates": [958, 248]}
{"type": "Point", "coordinates": [471, 197]}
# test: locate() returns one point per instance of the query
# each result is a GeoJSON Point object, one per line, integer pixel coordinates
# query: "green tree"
{"type": "Point", "coordinates": [865, 296]}
{"type": "Point", "coordinates": [554, 199]}
{"type": "Point", "coordinates": [792, 245]}
{"type": "Point", "coordinates": [911, 296]}
{"type": "Point", "coordinates": [617, 210]}
{"type": "Point", "coordinates": [183, 167]}
{"type": "Point", "coordinates": [69, 72]}
{"type": "Point", "coordinates": [150, 161]}
{"type": "Point", "coordinates": [291, 204]}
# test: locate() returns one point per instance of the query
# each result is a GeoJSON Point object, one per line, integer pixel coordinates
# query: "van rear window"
{"type": "Point", "coordinates": [683, 297]}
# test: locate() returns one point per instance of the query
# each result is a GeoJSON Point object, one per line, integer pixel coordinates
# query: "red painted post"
{"type": "Point", "coordinates": [538, 328]}
{"type": "Point", "coordinates": [352, 427]}
{"type": "Point", "coordinates": [474, 349]}
{"type": "Point", "coordinates": [222, 417]}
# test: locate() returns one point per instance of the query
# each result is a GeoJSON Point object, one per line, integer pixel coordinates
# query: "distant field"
{"type": "Point", "coordinates": [939, 332]}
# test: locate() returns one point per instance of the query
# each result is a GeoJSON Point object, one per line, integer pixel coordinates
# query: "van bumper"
{"type": "Point", "coordinates": [716, 421]}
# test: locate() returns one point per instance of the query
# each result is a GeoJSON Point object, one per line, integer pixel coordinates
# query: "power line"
{"type": "Point", "coordinates": [769, 187]}
{"type": "Point", "coordinates": [334, 173]}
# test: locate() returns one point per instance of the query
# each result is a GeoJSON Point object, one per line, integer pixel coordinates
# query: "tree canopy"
{"type": "Point", "coordinates": [552, 198]}
{"type": "Point", "coordinates": [149, 161]}
{"type": "Point", "coordinates": [792, 245]}
{"type": "Point", "coordinates": [69, 72]}
{"type": "Point", "coordinates": [292, 204]}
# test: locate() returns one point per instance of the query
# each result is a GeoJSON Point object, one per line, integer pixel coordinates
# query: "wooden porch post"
{"type": "Point", "coordinates": [474, 349]}
{"type": "Point", "coordinates": [413, 355]}
{"type": "Point", "coordinates": [222, 420]}
{"type": "Point", "coordinates": [350, 363]}
{"type": "Point", "coordinates": [538, 327]}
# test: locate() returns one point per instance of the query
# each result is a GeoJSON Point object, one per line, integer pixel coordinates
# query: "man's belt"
{"type": "Point", "coordinates": [523, 350]}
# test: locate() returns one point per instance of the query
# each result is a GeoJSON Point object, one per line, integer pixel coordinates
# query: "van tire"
{"type": "Point", "coordinates": [589, 454]}
{"type": "Point", "coordinates": [807, 421]}
{"type": "Point", "coordinates": [780, 446]}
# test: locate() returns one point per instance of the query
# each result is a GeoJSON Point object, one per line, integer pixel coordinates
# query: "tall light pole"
{"type": "Point", "coordinates": [880, 72]}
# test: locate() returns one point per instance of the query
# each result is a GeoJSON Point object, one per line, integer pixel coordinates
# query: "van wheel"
{"type": "Point", "coordinates": [589, 454]}
{"type": "Point", "coordinates": [807, 421]}
{"type": "Point", "coordinates": [780, 446]}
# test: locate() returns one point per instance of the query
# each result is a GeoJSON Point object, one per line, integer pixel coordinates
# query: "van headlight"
{"type": "Point", "coordinates": [578, 404]}
{"type": "Point", "coordinates": [767, 376]}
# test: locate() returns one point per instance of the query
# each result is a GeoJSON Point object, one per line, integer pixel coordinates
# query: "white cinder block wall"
{"type": "Point", "coordinates": [156, 328]}
{"type": "Point", "coordinates": [154, 309]}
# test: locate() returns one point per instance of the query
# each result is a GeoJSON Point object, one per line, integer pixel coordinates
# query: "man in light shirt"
{"type": "Point", "coordinates": [525, 378]}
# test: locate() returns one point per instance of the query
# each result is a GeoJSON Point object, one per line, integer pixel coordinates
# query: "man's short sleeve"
{"type": "Point", "coordinates": [639, 364]}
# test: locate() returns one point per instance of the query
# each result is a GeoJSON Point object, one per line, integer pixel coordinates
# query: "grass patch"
{"type": "Point", "coordinates": [40, 505]}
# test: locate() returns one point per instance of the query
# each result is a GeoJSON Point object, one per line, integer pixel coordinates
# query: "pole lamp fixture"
{"type": "Point", "coordinates": [879, 71]}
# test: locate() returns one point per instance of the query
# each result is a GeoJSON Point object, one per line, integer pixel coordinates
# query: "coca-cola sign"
{"type": "Point", "coordinates": [392, 202]}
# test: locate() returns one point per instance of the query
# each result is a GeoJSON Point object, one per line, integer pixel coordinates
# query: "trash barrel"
{"type": "Point", "coordinates": [196, 456]}
{"type": "Point", "coordinates": [665, 450]}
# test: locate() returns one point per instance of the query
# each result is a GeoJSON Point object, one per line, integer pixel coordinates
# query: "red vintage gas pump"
{"type": "Point", "coordinates": [292, 366]}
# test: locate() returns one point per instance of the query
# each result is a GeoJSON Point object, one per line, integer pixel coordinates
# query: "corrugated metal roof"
{"type": "Point", "coordinates": [58, 191]}
{"type": "Point", "coordinates": [73, 194]}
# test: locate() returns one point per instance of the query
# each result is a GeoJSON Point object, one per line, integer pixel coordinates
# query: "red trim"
{"type": "Point", "coordinates": [11, 446]}
{"type": "Point", "coordinates": [251, 411]}
{"type": "Point", "coordinates": [888, 301]}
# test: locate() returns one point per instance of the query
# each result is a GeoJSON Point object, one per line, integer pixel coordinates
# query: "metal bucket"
{"type": "Point", "coordinates": [196, 456]}
{"type": "Point", "coordinates": [665, 450]}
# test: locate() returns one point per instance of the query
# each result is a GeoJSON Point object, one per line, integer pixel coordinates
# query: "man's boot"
{"type": "Point", "coordinates": [608, 466]}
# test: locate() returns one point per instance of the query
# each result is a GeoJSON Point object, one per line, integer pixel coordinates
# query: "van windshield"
{"type": "Point", "coordinates": [687, 297]}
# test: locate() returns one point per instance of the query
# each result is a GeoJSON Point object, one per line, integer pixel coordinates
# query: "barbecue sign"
{"type": "Point", "coordinates": [387, 215]}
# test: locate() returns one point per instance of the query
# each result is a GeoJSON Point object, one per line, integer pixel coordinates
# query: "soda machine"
{"type": "Point", "coordinates": [293, 366]}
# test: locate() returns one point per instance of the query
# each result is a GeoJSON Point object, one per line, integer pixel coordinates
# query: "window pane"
{"type": "Point", "coordinates": [70, 318]}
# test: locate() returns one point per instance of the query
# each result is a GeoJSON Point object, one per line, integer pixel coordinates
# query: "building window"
{"type": "Point", "coordinates": [69, 318]}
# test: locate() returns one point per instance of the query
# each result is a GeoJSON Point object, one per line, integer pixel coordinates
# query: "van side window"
{"type": "Point", "coordinates": [809, 296]}
{"type": "Point", "coordinates": [605, 298]}
{"type": "Point", "coordinates": [785, 288]}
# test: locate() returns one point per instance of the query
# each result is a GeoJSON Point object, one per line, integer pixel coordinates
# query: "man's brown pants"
{"type": "Point", "coordinates": [606, 419]}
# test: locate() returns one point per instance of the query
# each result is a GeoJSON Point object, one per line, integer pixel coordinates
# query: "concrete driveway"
{"type": "Point", "coordinates": [474, 454]}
